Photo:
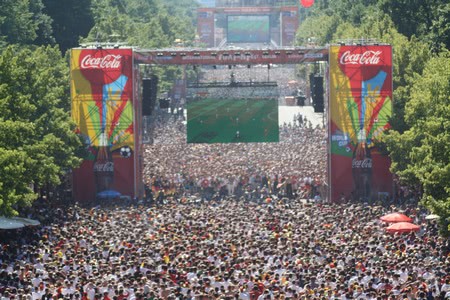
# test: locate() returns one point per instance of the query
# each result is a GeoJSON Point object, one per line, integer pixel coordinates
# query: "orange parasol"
{"type": "Point", "coordinates": [402, 227]}
{"type": "Point", "coordinates": [395, 217]}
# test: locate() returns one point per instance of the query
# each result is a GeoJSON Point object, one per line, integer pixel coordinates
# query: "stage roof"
{"type": "Point", "coordinates": [179, 56]}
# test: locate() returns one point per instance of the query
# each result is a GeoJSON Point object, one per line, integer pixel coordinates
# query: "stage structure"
{"type": "Point", "coordinates": [106, 91]}
{"type": "Point", "coordinates": [360, 107]}
{"type": "Point", "coordinates": [107, 111]}
{"type": "Point", "coordinates": [219, 26]}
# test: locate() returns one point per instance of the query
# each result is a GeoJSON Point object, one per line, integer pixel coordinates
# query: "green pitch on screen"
{"type": "Point", "coordinates": [248, 29]}
{"type": "Point", "coordinates": [232, 121]}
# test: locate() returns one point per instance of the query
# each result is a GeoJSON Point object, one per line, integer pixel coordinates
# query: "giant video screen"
{"type": "Point", "coordinates": [248, 29]}
{"type": "Point", "coordinates": [232, 120]}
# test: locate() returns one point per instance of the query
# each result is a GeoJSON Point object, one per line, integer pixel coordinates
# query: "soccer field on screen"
{"type": "Point", "coordinates": [232, 121]}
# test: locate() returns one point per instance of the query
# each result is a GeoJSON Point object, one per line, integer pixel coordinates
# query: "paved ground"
{"type": "Point", "coordinates": [286, 114]}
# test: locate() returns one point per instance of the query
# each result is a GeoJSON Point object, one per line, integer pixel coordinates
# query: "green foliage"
{"type": "Point", "coordinates": [318, 30]}
{"type": "Point", "coordinates": [72, 19]}
{"type": "Point", "coordinates": [146, 24]}
{"type": "Point", "coordinates": [24, 22]}
{"type": "Point", "coordinates": [426, 19]}
{"type": "Point", "coordinates": [421, 154]}
{"type": "Point", "coordinates": [37, 139]}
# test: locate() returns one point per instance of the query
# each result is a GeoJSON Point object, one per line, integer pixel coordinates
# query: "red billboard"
{"type": "Point", "coordinates": [360, 107]}
{"type": "Point", "coordinates": [104, 111]}
{"type": "Point", "coordinates": [289, 25]}
{"type": "Point", "coordinates": [205, 26]}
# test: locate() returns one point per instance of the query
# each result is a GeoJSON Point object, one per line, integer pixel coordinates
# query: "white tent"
{"type": "Point", "coordinates": [26, 221]}
{"type": "Point", "coordinates": [6, 223]}
{"type": "Point", "coordinates": [17, 222]}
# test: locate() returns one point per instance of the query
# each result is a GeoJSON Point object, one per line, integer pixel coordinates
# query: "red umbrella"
{"type": "Point", "coordinates": [307, 3]}
{"type": "Point", "coordinates": [402, 227]}
{"type": "Point", "coordinates": [395, 217]}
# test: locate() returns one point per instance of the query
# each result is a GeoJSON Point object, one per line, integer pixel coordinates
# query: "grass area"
{"type": "Point", "coordinates": [232, 121]}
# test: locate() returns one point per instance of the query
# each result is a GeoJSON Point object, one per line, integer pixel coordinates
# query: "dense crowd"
{"type": "Point", "coordinates": [295, 166]}
{"type": "Point", "coordinates": [284, 75]}
{"type": "Point", "coordinates": [229, 249]}
{"type": "Point", "coordinates": [222, 222]}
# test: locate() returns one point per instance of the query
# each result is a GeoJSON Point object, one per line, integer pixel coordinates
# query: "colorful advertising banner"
{"type": "Point", "coordinates": [103, 109]}
{"type": "Point", "coordinates": [360, 106]}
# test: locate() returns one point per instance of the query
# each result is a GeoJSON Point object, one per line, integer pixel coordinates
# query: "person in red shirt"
{"type": "Point", "coordinates": [255, 293]}
{"type": "Point", "coordinates": [105, 296]}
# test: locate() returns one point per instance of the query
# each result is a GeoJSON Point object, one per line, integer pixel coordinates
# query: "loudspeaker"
{"type": "Point", "coordinates": [164, 103]}
{"type": "Point", "coordinates": [301, 100]}
{"type": "Point", "coordinates": [149, 93]}
{"type": "Point", "coordinates": [316, 84]}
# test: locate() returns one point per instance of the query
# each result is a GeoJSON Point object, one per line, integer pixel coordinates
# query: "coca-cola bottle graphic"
{"type": "Point", "coordinates": [103, 166]}
{"type": "Point", "coordinates": [362, 169]}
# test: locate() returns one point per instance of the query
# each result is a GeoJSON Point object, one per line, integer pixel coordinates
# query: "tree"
{"type": "Point", "coordinates": [72, 19]}
{"type": "Point", "coordinates": [426, 19]}
{"type": "Point", "coordinates": [421, 154]}
{"type": "Point", "coordinates": [16, 22]}
{"type": "Point", "coordinates": [318, 30]}
{"type": "Point", "coordinates": [24, 22]}
{"type": "Point", "coordinates": [37, 139]}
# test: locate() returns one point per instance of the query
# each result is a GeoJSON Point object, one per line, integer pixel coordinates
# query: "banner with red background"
{"type": "Point", "coordinates": [360, 107]}
{"type": "Point", "coordinates": [205, 26]}
{"type": "Point", "coordinates": [103, 109]}
{"type": "Point", "coordinates": [289, 24]}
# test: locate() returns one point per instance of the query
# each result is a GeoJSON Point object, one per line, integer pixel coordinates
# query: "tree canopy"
{"type": "Point", "coordinates": [37, 139]}
{"type": "Point", "coordinates": [421, 154]}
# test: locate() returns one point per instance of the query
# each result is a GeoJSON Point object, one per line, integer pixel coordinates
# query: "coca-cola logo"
{"type": "Point", "coordinates": [362, 164]}
{"type": "Point", "coordinates": [366, 58]}
{"type": "Point", "coordinates": [104, 167]}
{"type": "Point", "coordinates": [109, 61]}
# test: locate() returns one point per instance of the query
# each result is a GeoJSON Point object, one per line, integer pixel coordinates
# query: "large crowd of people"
{"type": "Point", "coordinates": [284, 75]}
{"type": "Point", "coordinates": [228, 249]}
{"type": "Point", "coordinates": [295, 166]}
{"type": "Point", "coordinates": [226, 222]}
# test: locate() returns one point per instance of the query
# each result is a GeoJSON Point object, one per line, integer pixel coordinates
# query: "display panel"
{"type": "Point", "coordinates": [248, 29]}
{"type": "Point", "coordinates": [103, 110]}
{"type": "Point", "coordinates": [360, 108]}
{"type": "Point", "coordinates": [233, 120]}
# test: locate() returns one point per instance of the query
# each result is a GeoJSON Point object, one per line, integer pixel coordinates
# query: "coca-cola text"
{"type": "Point", "coordinates": [104, 167]}
{"type": "Point", "coordinates": [109, 61]}
{"type": "Point", "coordinates": [363, 164]}
{"type": "Point", "coordinates": [366, 58]}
